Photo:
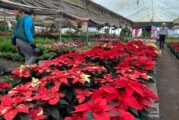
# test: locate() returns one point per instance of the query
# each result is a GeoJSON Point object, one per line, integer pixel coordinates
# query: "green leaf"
{"type": "Point", "coordinates": [46, 112]}
{"type": "Point", "coordinates": [151, 73]}
{"type": "Point", "coordinates": [69, 109]}
{"type": "Point", "coordinates": [70, 95]}
{"type": "Point", "coordinates": [54, 112]}
{"type": "Point", "coordinates": [113, 113]}
{"type": "Point", "coordinates": [143, 115]}
{"type": "Point", "coordinates": [24, 116]}
{"type": "Point", "coordinates": [63, 102]}
{"type": "Point", "coordinates": [151, 80]}
{"type": "Point", "coordinates": [113, 104]}
{"type": "Point", "coordinates": [134, 112]}
{"type": "Point", "coordinates": [89, 116]}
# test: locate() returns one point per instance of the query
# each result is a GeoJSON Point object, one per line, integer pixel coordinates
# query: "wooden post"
{"type": "Point", "coordinates": [60, 25]}
{"type": "Point", "coordinates": [60, 22]}
{"type": "Point", "coordinates": [5, 21]}
{"type": "Point", "coordinates": [87, 35]}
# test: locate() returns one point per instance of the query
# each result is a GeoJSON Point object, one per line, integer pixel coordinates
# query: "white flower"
{"type": "Point", "coordinates": [85, 77]}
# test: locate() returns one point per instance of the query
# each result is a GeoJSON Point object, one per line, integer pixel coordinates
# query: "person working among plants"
{"type": "Point", "coordinates": [163, 32]}
{"type": "Point", "coordinates": [24, 33]}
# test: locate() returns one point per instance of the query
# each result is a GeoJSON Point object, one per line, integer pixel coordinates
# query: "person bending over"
{"type": "Point", "coordinates": [24, 33]}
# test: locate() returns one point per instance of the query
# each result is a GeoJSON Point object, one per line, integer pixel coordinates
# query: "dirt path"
{"type": "Point", "coordinates": [168, 86]}
{"type": "Point", "coordinates": [10, 65]}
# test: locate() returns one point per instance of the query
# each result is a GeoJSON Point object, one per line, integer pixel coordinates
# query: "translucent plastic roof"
{"type": "Point", "coordinates": [144, 10]}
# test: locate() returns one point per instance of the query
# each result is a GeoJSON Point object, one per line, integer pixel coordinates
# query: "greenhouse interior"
{"type": "Point", "coordinates": [89, 60]}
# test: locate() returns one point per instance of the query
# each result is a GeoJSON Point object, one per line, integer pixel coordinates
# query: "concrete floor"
{"type": "Point", "coordinates": [168, 85]}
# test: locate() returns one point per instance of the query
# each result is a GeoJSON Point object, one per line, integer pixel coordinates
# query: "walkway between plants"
{"type": "Point", "coordinates": [168, 85]}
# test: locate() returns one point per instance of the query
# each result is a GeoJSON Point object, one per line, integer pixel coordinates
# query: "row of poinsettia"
{"type": "Point", "coordinates": [108, 38]}
{"type": "Point", "coordinates": [108, 82]}
{"type": "Point", "coordinates": [174, 47]}
{"type": "Point", "coordinates": [65, 45]}
{"type": "Point", "coordinates": [112, 38]}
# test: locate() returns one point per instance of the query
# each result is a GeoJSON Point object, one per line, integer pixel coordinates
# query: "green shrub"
{"type": "Point", "coordinates": [6, 45]}
{"type": "Point", "coordinates": [44, 40]}
{"type": "Point", "coordinates": [146, 34]}
{"type": "Point", "coordinates": [2, 28]}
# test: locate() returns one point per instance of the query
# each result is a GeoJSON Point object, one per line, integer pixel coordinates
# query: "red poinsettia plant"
{"type": "Point", "coordinates": [108, 82]}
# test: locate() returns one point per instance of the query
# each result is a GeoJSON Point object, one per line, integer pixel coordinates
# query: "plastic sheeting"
{"type": "Point", "coordinates": [144, 10]}
{"type": "Point", "coordinates": [72, 9]}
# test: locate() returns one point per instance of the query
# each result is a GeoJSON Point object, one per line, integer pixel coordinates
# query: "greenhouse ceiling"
{"type": "Point", "coordinates": [144, 10]}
